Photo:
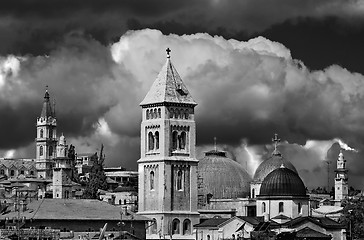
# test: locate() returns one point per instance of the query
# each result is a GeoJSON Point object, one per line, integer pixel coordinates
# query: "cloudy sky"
{"type": "Point", "coordinates": [255, 68]}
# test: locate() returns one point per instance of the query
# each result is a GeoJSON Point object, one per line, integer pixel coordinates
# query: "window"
{"type": "Point", "coordinates": [155, 113]}
{"type": "Point", "coordinates": [32, 173]}
{"type": "Point", "coordinates": [299, 208]}
{"type": "Point", "coordinates": [150, 141]}
{"type": "Point", "coordinates": [12, 173]}
{"type": "Point", "coordinates": [253, 193]}
{"type": "Point", "coordinates": [119, 201]}
{"type": "Point", "coordinates": [186, 114]}
{"type": "Point", "coordinates": [2, 172]}
{"type": "Point", "coordinates": [147, 114]}
{"type": "Point", "coordinates": [175, 226]}
{"type": "Point", "coordinates": [151, 180]}
{"type": "Point", "coordinates": [50, 150]}
{"type": "Point", "coordinates": [153, 226]}
{"type": "Point", "coordinates": [176, 113]}
{"type": "Point", "coordinates": [263, 207]}
{"type": "Point", "coordinates": [280, 206]}
{"type": "Point", "coordinates": [66, 194]}
{"type": "Point", "coordinates": [186, 227]}
{"type": "Point", "coordinates": [174, 140]}
{"type": "Point", "coordinates": [208, 237]}
{"type": "Point", "coordinates": [159, 113]}
{"type": "Point", "coordinates": [41, 151]}
{"type": "Point", "coordinates": [179, 180]}
{"type": "Point", "coordinates": [124, 201]}
{"type": "Point", "coordinates": [156, 140]}
{"type": "Point", "coordinates": [182, 140]}
{"type": "Point", "coordinates": [22, 172]}
{"type": "Point", "coordinates": [41, 133]}
{"type": "Point", "coordinates": [50, 133]}
{"type": "Point", "coordinates": [171, 113]}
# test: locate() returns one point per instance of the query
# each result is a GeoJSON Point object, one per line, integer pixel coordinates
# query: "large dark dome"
{"type": "Point", "coordinates": [283, 182]}
{"type": "Point", "coordinates": [270, 164]}
{"type": "Point", "coordinates": [222, 177]}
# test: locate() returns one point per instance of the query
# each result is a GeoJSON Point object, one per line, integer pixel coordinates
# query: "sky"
{"type": "Point", "coordinates": [254, 67]}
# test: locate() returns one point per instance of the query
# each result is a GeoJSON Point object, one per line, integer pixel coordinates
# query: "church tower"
{"type": "Point", "coordinates": [168, 165]}
{"type": "Point", "coordinates": [341, 179]}
{"type": "Point", "coordinates": [46, 139]}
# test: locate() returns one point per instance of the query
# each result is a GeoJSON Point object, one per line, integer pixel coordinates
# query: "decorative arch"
{"type": "Point", "coordinates": [150, 141]}
{"type": "Point", "coordinates": [175, 226]}
{"type": "Point", "coordinates": [186, 227]}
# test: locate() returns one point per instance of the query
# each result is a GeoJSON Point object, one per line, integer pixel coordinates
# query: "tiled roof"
{"type": "Point", "coordinates": [324, 222]}
{"type": "Point", "coordinates": [75, 209]}
{"type": "Point", "coordinates": [281, 216]}
{"type": "Point", "coordinates": [17, 163]}
{"type": "Point", "coordinates": [252, 220]}
{"type": "Point", "coordinates": [212, 222]}
{"type": "Point", "coordinates": [310, 233]}
{"type": "Point", "coordinates": [168, 88]}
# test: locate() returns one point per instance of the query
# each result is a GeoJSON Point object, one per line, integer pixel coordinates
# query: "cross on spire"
{"type": "Point", "coordinates": [276, 141]}
{"type": "Point", "coordinates": [168, 52]}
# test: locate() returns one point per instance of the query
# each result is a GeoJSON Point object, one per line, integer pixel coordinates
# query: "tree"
{"type": "Point", "coordinates": [97, 178]}
{"type": "Point", "coordinates": [72, 155]}
{"type": "Point", "coordinates": [354, 217]}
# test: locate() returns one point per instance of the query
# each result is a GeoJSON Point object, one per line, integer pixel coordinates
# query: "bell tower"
{"type": "Point", "coordinates": [46, 139]}
{"type": "Point", "coordinates": [341, 179]}
{"type": "Point", "coordinates": [168, 165]}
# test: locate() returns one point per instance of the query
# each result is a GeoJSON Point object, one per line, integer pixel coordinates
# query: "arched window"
{"type": "Point", "coordinates": [182, 140]}
{"type": "Point", "coordinates": [155, 113]}
{"type": "Point", "coordinates": [208, 237]}
{"type": "Point", "coordinates": [50, 150]}
{"type": "Point", "coordinates": [263, 207]}
{"type": "Point", "coordinates": [253, 193]}
{"type": "Point", "coordinates": [151, 180]}
{"type": "Point", "coordinates": [156, 140]}
{"type": "Point", "coordinates": [176, 113]}
{"type": "Point", "coordinates": [124, 201]}
{"type": "Point", "coordinates": [147, 115]}
{"type": "Point", "coordinates": [150, 141]}
{"type": "Point", "coordinates": [280, 206]}
{"type": "Point", "coordinates": [41, 133]}
{"type": "Point", "coordinates": [171, 113]}
{"type": "Point", "coordinates": [153, 227]}
{"type": "Point", "coordinates": [31, 173]}
{"type": "Point", "coordinates": [159, 113]}
{"type": "Point", "coordinates": [119, 201]}
{"type": "Point", "coordinates": [41, 151]}
{"type": "Point", "coordinates": [175, 226]}
{"type": "Point", "coordinates": [12, 173]}
{"type": "Point", "coordinates": [186, 114]}
{"type": "Point", "coordinates": [174, 140]}
{"type": "Point", "coordinates": [50, 133]}
{"type": "Point", "coordinates": [186, 227]}
{"type": "Point", "coordinates": [2, 171]}
{"type": "Point", "coordinates": [299, 208]}
{"type": "Point", "coordinates": [179, 180]}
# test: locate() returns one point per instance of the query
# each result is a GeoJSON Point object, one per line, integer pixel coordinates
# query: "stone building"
{"type": "Point", "coordinates": [168, 164]}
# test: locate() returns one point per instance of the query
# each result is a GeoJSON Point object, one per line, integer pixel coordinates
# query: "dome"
{"type": "Point", "coordinates": [222, 177]}
{"type": "Point", "coordinates": [270, 164]}
{"type": "Point", "coordinates": [283, 182]}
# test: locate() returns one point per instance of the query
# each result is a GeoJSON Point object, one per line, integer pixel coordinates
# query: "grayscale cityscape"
{"type": "Point", "coordinates": [190, 120]}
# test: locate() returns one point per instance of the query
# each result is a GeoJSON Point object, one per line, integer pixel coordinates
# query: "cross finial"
{"type": "Point", "coordinates": [46, 88]}
{"type": "Point", "coordinates": [215, 143]}
{"type": "Point", "coordinates": [276, 141]}
{"type": "Point", "coordinates": [168, 52]}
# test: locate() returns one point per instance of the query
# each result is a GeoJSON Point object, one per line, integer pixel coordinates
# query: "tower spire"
{"type": "Point", "coordinates": [168, 53]}
{"type": "Point", "coordinates": [215, 144]}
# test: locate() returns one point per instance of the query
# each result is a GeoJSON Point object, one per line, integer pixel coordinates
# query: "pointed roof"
{"type": "Point", "coordinates": [168, 87]}
{"type": "Point", "coordinates": [47, 108]}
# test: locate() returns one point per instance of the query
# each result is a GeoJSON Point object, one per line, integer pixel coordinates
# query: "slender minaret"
{"type": "Point", "coordinates": [168, 165]}
{"type": "Point", "coordinates": [46, 139]}
{"type": "Point", "coordinates": [341, 179]}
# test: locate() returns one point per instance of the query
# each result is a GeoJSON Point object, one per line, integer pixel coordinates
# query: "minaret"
{"type": "Point", "coordinates": [341, 179]}
{"type": "Point", "coordinates": [168, 165]}
{"type": "Point", "coordinates": [46, 139]}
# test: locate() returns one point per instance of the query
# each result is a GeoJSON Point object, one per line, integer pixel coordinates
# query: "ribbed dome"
{"type": "Point", "coordinates": [270, 164]}
{"type": "Point", "coordinates": [222, 177]}
{"type": "Point", "coordinates": [283, 182]}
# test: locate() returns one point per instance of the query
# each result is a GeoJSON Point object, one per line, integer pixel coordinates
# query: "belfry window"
{"type": "Point", "coordinates": [50, 133]}
{"type": "Point", "coordinates": [299, 208]}
{"type": "Point", "coordinates": [174, 140]}
{"type": "Point", "coordinates": [159, 113]}
{"type": "Point", "coordinates": [50, 150]}
{"type": "Point", "coordinates": [182, 140]}
{"type": "Point", "coordinates": [151, 180]}
{"type": "Point", "coordinates": [186, 227]}
{"type": "Point", "coordinates": [41, 133]}
{"type": "Point", "coordinates": [150, 141]}
{"type": "Point", "coordinates": [41, 151]}
{"type": "Point", "coordinates": [153, 226]}
{"type": "Point", "coordinates": [179, 180]}
{"type": "Point", "coordinates": [156, 140]}
{"type": "Point", "coordinates": [147, 115]}
{"type": "Point", "coordinates": [253, 193]}
{"type": "Point", "coordinates": [280, 206]}
{"type": "Point", "coordinates": [155, 113]}
{"type": "Point", "coordinates": [171, 113]}
{"type": "Point", "coordinates": [263, 208]}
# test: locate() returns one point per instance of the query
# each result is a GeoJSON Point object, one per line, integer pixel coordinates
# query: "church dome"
{"type": "Point", "coordinates": [283, 182]}
{"type": "Point", "coordinates": [222, 177]}
{"type": "Point", "coordinates": [270, 164]}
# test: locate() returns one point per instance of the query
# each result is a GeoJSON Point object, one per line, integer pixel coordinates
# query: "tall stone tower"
{"type": "Point", "coordinates": [341, 179]}
{"type": "Point", "coordinates": [168, 165]}
{"type": "Point", "coordinates": [46, 139]}
{"type": "Point", "coordinates": [62, 172]}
